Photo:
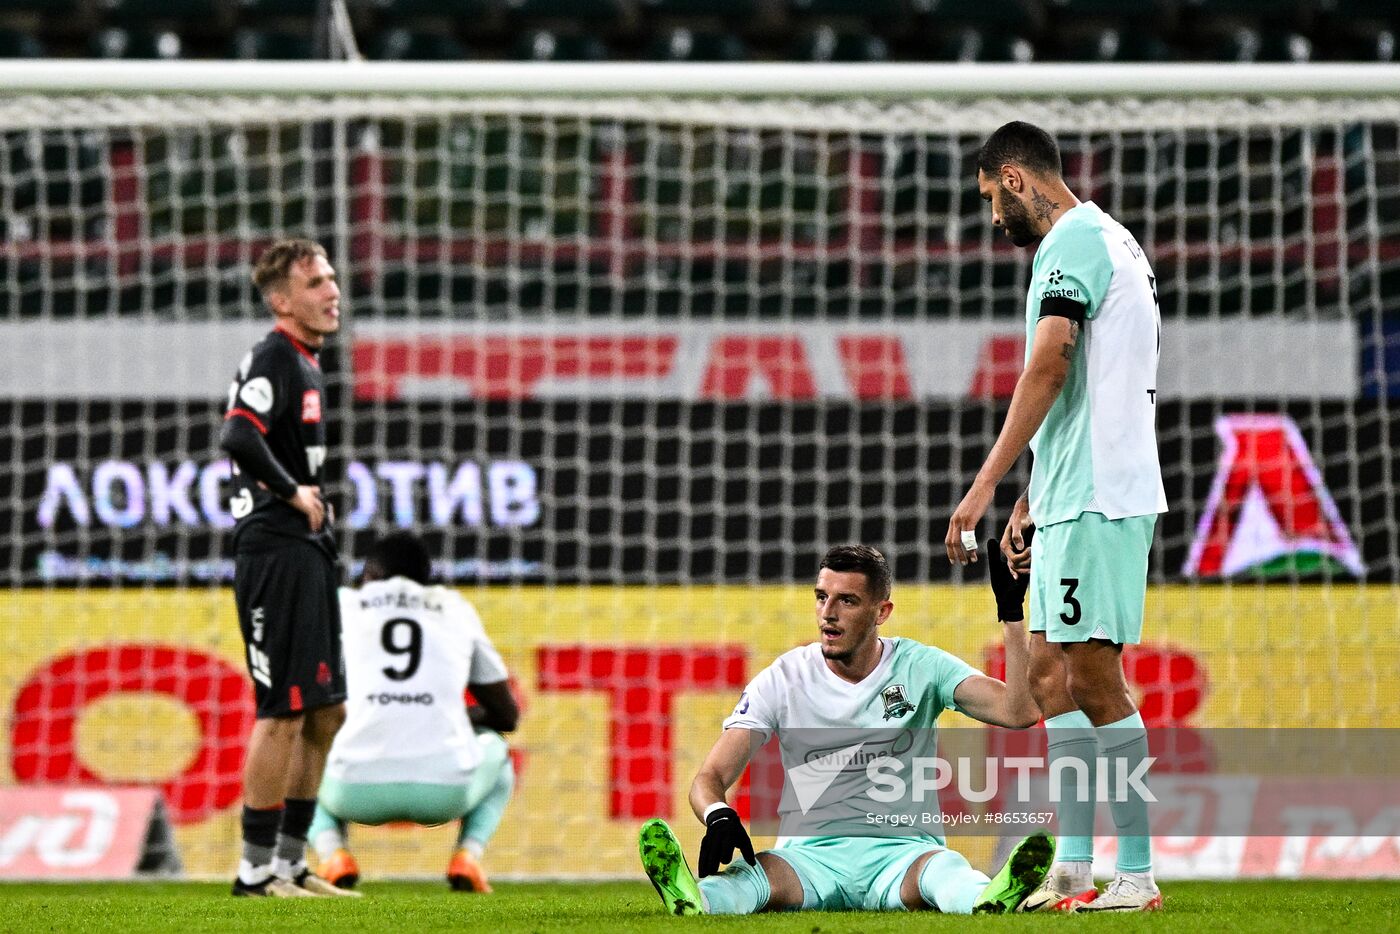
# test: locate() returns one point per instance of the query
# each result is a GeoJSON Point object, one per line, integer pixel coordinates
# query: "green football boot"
{"type": "Point", "coordinates": [664, 863]}
{"type": "Point", "coordinates": [1024, 870]}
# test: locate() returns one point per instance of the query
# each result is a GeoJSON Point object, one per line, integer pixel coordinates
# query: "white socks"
{"type": "Point", "coordinates": [250, 874]}
{"type": "Point", "coordinates": [327, 842]}
{"type": "Point", "coordinates": [1072, 877]}
{"type": "Point", "coordinates": [284, 868]}
{"type": "Point", "coordinates": [1143, 880]}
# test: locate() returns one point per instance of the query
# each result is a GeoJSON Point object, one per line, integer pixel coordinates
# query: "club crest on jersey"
{"type": "Point", "coordinates": [896, 702]}
{"type": "Point", "coordinates": [311, 406]}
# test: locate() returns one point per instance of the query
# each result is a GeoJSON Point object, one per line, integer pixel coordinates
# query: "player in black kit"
{"type": "Point", "coordinates": [285, 572]}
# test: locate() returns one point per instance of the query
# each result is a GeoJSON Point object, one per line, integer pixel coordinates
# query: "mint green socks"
{"type": "Point", "coordinates": [1124, 745]}
{"type": "Point", "coordinates": [1072, 746]}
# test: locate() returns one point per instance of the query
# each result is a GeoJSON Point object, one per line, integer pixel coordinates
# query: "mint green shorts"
{"type": "Point", "coordinates": [376, 803]}
{"type": "Point", "coordinates": [383, 802]}
{"type": "Point", "coordinates": [857, 873]}
{"type": "Point", "coordinates": [1089, 578]}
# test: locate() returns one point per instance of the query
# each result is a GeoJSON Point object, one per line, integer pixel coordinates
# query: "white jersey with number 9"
{"type": "Point", "coordinates": [410, 651]}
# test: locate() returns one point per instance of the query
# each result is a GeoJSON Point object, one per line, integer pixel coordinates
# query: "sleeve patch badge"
{"type": "Point", "coordinates": [257, 393]}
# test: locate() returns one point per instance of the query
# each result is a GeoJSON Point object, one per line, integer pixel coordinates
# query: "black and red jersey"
{"type": "Point", "coordinates": [275, 430]}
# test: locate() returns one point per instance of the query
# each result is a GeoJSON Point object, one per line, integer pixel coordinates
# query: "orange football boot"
{"type": "Point", "coordinates": [340, 870]}
{"type": "Point", "coordinates": [465, 874]}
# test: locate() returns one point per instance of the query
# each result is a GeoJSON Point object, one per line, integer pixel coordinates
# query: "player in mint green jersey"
{"type": "Point", "coordinates": [851, 681]}
{"type": "Point", "coordinates": [1085, 404]}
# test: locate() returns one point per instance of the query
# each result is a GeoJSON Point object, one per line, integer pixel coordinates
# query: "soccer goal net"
{"type": "Point", "coordinates": [631, 347]}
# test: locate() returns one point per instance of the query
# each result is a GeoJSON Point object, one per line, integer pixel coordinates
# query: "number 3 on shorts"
{"type": "Point", "coordinates": [1075, 612]}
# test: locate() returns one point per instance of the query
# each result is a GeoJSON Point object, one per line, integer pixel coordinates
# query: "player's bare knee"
{"type": "Point", "coordinates": [1048, 678]}
{"type": "Point", "coordinates": [1087, 695]}
{"type": "Point", "coordinates": [322, 724]}
{"type": "Point", "coordinates": [1099, 698]}
{"type": "Point", "coordinates": [281, 729]}
{"type": "Point", "coordinates": [785, 889]}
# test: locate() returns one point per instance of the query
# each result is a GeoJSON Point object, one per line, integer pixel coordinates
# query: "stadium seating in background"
{"type": "Point", "coordinates": [1338, 11]}
{"type": "Point", "coordinates": [686, 45]}
{"type": "Point", "coordinates": [973, 31]}
{"type": "Point", "coordinates": [37, 6]}
{"type": "Point", "coordinates": [974, 45]}
{"type": "Point", "coordinates": [1377, 45]}
{"type": "Point", "coordinates": [569, 30]}
{"type": "Point", "coordinates": [597, 13]}
{"type": "Point", "coordinates": [728, 10]}
{"type": "Point", "coordinates": [253, 9]}
{"type": "Point", "coordinates": [1024, 17]}
{"type": "Point", "coordinates": [1269, 11]}
{"type": "Point", "coordinates": [137, 44]}
{"type": "Point", "coordinates": [447, 14]}
{"type": "Point", "coordinates": [720, 30]}
{"type": "Point", "coordinates": [160, 29]}
{"type": "Point", "coordinates": [1108, 31]}
{"type": "Point", "coordinates": [409, 45]}
{"type": "Point", "coordinates": [1246, 44]}
{"type": "Point", "coordinates": [826, 44]}
{"type": "Point", "coordinates": [22, 26]}
{"type": "Point", "coordinates": [1149, 13]}
{"type": "Point", "coordinates": [543, 45]}
{"type": "Point", "coordinates": [1116, 45]}
{"type": "Point", "coordinates": [868, 10]}
{"type": "Point", "coordinates": [1357, 30]}
{"type": "Point", "coordinates": [264, 44]}
{"type": "Point", "coordinates": [143, 13]}
{"type": "Point", "coordinates": [275, 29]}
{"type": "Point", "coordinates": [17, 43]}
{"type": "Point", "coordinates": [1243, 30]}
{"type": "Point", "coordinates": [712, 30]}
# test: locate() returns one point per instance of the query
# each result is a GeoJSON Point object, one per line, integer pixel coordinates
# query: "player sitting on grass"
{"type": "Point", "coordinates": [820, 699]}
{"type": "Point", "coordinates": [411, 750]}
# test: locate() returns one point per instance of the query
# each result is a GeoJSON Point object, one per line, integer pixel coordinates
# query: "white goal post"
{"type": "Point", "coordinates": [631, 344]}
{"type": "Point", "coordinates": [743, 79]}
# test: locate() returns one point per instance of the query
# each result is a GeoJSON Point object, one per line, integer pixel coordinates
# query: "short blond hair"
{"type": "Point", "coordinates": [274, 266]}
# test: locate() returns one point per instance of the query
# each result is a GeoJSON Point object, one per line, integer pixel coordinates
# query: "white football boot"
{"type": "Point", "coordinates": [1049, 897]}
{"type": "Point", "coordinates": [1124, 894]}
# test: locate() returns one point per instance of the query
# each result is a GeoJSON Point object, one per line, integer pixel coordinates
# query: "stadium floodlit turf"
{"type": "Point", "coordinates": [1271, 907]}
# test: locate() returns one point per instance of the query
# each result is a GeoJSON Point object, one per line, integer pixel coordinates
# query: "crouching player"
{"type": "Point", "coordinates": [855, 682]}
{"type": "Point", "coordinates": [411, 750]}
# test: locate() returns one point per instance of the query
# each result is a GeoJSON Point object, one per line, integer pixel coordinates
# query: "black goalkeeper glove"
{"type": "Point", "coordinates": [1010, 591]}
{"type": "Point", "coordinates": [724, 833]}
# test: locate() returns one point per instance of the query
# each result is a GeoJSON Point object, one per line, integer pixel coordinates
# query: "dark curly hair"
{"type": "Point", "coordinates": [1023, 144]}
{"type": "Point", "coordinates": [400, 554]}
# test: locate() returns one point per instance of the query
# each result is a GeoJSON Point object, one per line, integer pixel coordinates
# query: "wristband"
{"type": "Point", "coordinates": [711, 809]}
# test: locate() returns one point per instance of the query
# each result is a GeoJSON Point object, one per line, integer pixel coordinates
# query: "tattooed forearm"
{"type": "Point", "coordinates": [1041, 205]}
{"type": "Point", "coordinates": [1067, 349]}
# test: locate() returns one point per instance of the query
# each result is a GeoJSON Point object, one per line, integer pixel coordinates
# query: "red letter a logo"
{"type": "Point", "coordinates": [1269, 512]}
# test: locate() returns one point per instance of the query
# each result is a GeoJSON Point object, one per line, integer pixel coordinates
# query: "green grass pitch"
{"type": "Point", "coordinates": [402, 907]}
